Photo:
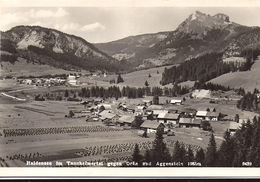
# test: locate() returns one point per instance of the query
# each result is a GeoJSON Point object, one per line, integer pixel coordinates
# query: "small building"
{"type": "Point", "coordinates": [189, 122]}
{"type": "Point", "coordinates": [168, 118]}
{"type": "Point", "coordinates": [148, 115]}
{"type": "Point", "coordinates": [108, 115]}
{"type": "Point", "coordinates": [106, 106]}
{"type": "Point", "coordinates": [233, 126]}
{"type": "Point", "coordinates": [155, 107]}
{"type": "Point", "coordinates": [177, 102]}
{"type": "Point", "coordinates": [97, 101]}
{"type": "Point", "coordinates": [140, 110]}
{"type": "Point", "coordinates": [212, 116]}
{"type": "Point", "coordinates": [151, 126]}
{"type": "Point", "coordinates": [28, 81]}
{"type": "Point", "coordinates": [126, 120]}
{"type": "Point", "coordinates": [147, 102]}
{"type": "Point", "coordinates": [201, 114]}
{"type": "Point", "coordinates": [71, 77]}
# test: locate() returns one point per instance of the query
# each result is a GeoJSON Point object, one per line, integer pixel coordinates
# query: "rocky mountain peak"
{"type": "Point", "coordinates": [199, 23]}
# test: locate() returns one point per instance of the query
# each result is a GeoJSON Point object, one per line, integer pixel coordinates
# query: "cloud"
{"type": "Point", "coordinates": [67, 27]}
{"type": "Point", "coordinates": [93, 27]}
{"type": "Point", "coordinates": [48, 13]}
{"type": "Point", "coordinates": [10, 19]}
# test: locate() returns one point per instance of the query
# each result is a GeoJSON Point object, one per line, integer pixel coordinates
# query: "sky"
{"type": "Point", "coordinates": [108, 20]}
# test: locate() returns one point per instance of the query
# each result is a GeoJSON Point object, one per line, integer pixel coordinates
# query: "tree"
{"type": "Point", "coordinates": [211, 153]}
{"type": "Point", "coordinates": [179, 152]}
{"type": "Point", "coordinates": [149, 75]}
{"type": "Point", "coordinates": [101, 108]}
{"type": "Point", "coordinates": [200, 156]}
{"type": "Point", "coordinates": [119, 79]}
{"type": "Point", "coordinates": [137, 157]}
{"type": "Point", "coordinates": [147, 156]}
{"type": "Point", "coordinates": [66, 93]}
{"type": "Point", "coordinates": [190, 155]}
{"type": "Point", "coordinates": [205, 125]}
{"type": "Point", "coordinates": [226, 151]}
{"type": "Point", "coordinates": [146, 83]}
{"type": "Point", "coordinates": [137, 122]}
{"type": "Point", "coordinates": [160, 152]}
{"type": "Point", "coordinates": [156, 100]}
{"type": "Point", "coordinates": [71, 114]}
{"type": "Point", "coordinates": [236, 118]}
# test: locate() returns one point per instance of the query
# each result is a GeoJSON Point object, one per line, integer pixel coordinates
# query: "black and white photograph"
{"type": "Point", "coordinates": [130, 88]}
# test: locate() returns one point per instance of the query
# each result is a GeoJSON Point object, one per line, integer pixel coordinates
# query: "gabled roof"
{"type": "Point", "coordinates": [234, 125]}
{"type": "Point", "coordinates": [212, 114]}
{"type": "Point", "coordinates": [155, 112]}
{"type": "Point", "coordinates": [168, 116]}
{"type": "Point", "coordinates": [189, 121]}
{"type": "Point", "coordinates": [126, 119]}
{"type": "Point", "coordinates": [106, 114]}
{"type": "Point", "coordinates": [201, 113]}
{"type": "Point", "coordinates": [173, 101]}
{"type": "Point", "coordinates": [151, 124]}
{"type": "Point", "coordinates": [155, 107]}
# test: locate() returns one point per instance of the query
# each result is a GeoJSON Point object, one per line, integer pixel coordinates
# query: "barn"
{"type": "Point", "coordinates": [151, 126]}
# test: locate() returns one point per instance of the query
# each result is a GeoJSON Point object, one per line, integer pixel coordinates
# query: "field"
{"type": "Point", "coordinates": [247, 80]}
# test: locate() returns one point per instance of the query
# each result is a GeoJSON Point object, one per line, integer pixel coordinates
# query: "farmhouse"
{"type": "Point", "coordinates": [187, 112]}
{"type": "Point", "coordinates": [147, 102]}
{"type": "Point", "coordinates": [157, 112]}
{"type": "Point", "coordinates": [189, 122]}
{"type": "Point", "coordinates": [233, 126]}
{"type": "Point", "coordinates": [140, 110]}
{"type": "Point", "coordinates": [106, 106]}
{"type": "Point", "coordinates": [201, 114]}
{"type": "Point", "coordinates": [126, 120]}
{"type": "Point", "coordinates": [168, 118]}
{"type": "Point", "coordinates": [108, 115]}
{"type": "Point", "coordinates": [151, 126]}
{"type": "Point", "coordinates": [212, 116]}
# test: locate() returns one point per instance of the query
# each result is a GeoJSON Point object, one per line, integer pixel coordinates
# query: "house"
{"type": "Point", "coordinates": [108, 115]}
{"type": "Point", "coordinates": [73, 82]}
{"type": "Point", "coordinates": [148, 115]}
{"type": "Point", "coordinates": [187, 112]}
{"type": "Point", "coordinates": [189, 122]}
{"type": "Point", "coordinates": [212, 116]}
{"type": "Point", "coordinates": [201, 114]}
{"type": "Point", "coordinates": [28, 81]}
{"type": "Point", "coordinates": [106, 106]}
{"type": "Point", "coordinates": [71, 77]}
{"type": "Point", "coordinates": [126, 120]}
{"type": "Point", "coordinates": [233, 126]}
{"type": "Point", "coordinates": [168, 118]}
{"type": "Point", "coordinates": [151, 126]}
{"type": "Point", "coordinates": [140, 110]}
{"type": "Point", "coordinates": [97, 101]}
{"type": "Point", "coordinates": [176, 102]}
{"type": "Point", "coordinates": [155, 107]}
{"type": "Point", "coordinates": [147, 102]}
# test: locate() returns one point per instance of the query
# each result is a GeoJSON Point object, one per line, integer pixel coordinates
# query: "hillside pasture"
{"type": "Point", "coordinates": [245, 79]}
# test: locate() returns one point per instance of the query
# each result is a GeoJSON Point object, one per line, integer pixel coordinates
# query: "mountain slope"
{"type": "Point", "coordinates": [127, 47]}
{"type": "Point", "coordinates": [49, 46]}
{"type": "Point", "coordinates": [197, 35]}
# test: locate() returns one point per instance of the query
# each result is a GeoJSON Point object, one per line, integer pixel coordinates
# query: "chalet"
{"type": "Point", "coordinates": [73, 82]}
{"type": "Point", "coordinates": [233, 126]}
{"type": "Point", "coordinates": [201, 114]}
{"type": "Point", "coordinates": [212, 116]}
{"type": "Point", "coordinates": [108, 115]}
{"type": "Point", "coordinates": [147, 102]}
{"type": "Point", "coordinates": [140, 110]}
{"type": "Point", "coordinates": [151, 126]}
{"type": "Point", "coordinates": [28, 81]}
{"type": "Point", "coordinates": [187, 112]}
{"type": "Point", "coordinates": [168, 118]}
{"type": "Point", "coordinates": [148, 115]}
{"type": "Point", "coordinates": [189, 122]}
{"type": "Point", "coordinates": [126, 120]}
{"type": "Point", "coordinates": [176, 102]}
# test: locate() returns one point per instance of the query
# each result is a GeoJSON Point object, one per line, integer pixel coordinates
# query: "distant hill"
{"type": "Point", "coordinates": [55, 48]}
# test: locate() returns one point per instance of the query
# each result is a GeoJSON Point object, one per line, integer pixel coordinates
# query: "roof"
{"type": "Point", "coordinates": [151, 124]}
{"type": "Point", "coordinates": [189, 121]}
{"type": "Point", "coordinates": [159, 111]}
{"type": "Point", "coordinates": [168, 116]}
{"type": "Point", "coordinates": [212, 114]}
{"type": "Point", "coordinates": [234, 125]}
{"type": "Point", "coordinates": [106, 114]}
{"type": "Point", "coordinates": [158, 107]}
{"type": "Point", "coordinates": [205, 108]}
{"type": "Point", "coordinates": [126, 119]}
{"type": "Point", "coordinates": [175, 101]}
{"type": "Point", "coordinates": [106, 106]}
{"type": "Point", "coordinates": [147, 100]}
{"type": "Point", "coordinates": [201, 113]}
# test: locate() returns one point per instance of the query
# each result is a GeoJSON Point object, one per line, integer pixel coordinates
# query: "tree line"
{"type": "Point", "coordinates": [207, 67]}
{"type": "Point", "coordinates": [249, 101]}
{"type": "Point", "coordinates": [240, 149]}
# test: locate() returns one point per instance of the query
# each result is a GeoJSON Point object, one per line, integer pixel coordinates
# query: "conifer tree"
{"type": "Point", "coordinates": [146, 83]}
{"type": "Point", "coordinates": [156, 100]}
{"type": "Point", "coordinates": [200, 156]}
{"type": "Point", "coordinates": [226, 151]}
{"type": "Point", "coordinates": [147, 156]}
{"type": "Point", "coordinates": [190, 155]}
{"type": "Point", "coordinates": [137, 157]}
{"type": "Point", "coordinates": [211, 153]}
{"type": "Point", "coordinates": [119, 79]}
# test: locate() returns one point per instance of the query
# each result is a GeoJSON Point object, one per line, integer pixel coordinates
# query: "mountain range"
{"type": "Point", "coordinates": [197, 35]}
